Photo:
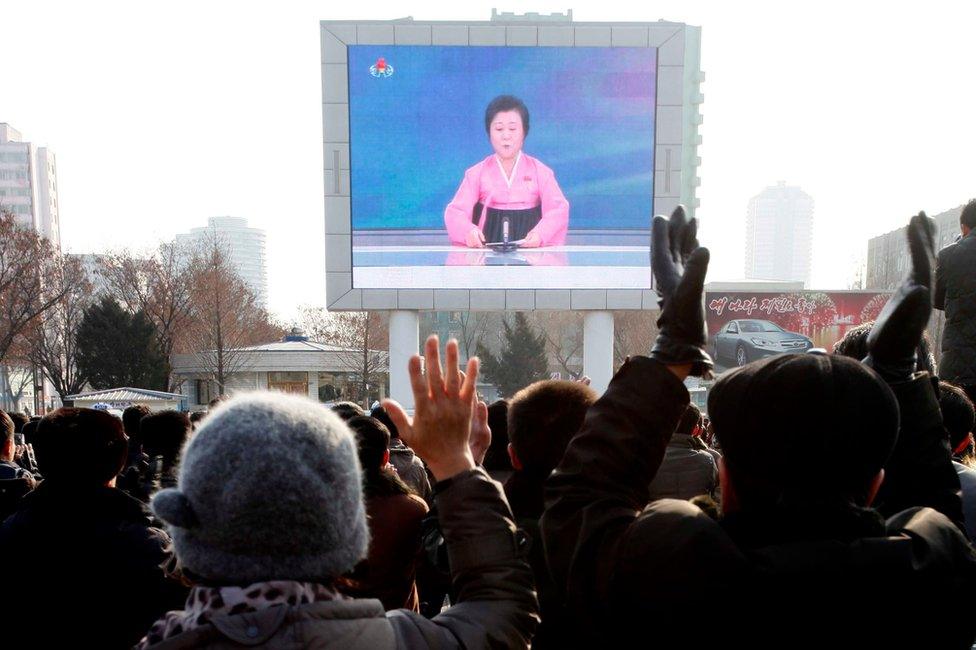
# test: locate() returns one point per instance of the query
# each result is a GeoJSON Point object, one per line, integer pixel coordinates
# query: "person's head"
{"type": "Point", "coordinates": [19, 419]}
{"type": "Point", "coordinates": [215, 402]}
{"type": "Point", "coordinates": [269, 489]}
{"type": "Point", "coordinates": [967, 218]}
{"type": "Point", "coordinates": [164, 433]}
{"type": "Point", "coordinates": [373, 441]}
{"type": "Point", "coordinates": [497, 457]}
{"type": "Point", "coordinates": [347, 410]}
{"type": "Point", "coordinates": [690, 422]}
{"type": "Point", "coordinates": [81, 447]}
{"type": "Point", "coordinates": [7, 445]}
{"type": "Point", "coordinates": [802, 428]}
{"type": "Point", "coordinates": [957, 417]}
{"type": "Point", "coordinates": [380, 414]}
{"type": "Point", "coordinates": [30, 429]}
{"type": "Point", "coordinates": [507, 124]}
{"type": "Point", "coordinates": [131, 417]}
{"type": "Point", "coordinates": [542, 418]}
{"type": "Point", "coordinates": [854, 344]}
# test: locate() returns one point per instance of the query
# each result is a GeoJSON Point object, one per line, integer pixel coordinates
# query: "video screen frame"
{"type": "Point", "coordinates": [675, 152]}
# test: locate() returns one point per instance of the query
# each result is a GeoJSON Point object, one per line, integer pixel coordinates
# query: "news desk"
{"type": "Point", "coordinates": [456, 267]}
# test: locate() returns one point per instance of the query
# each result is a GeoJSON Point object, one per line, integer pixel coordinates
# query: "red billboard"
{"type": "Point", "coordinates": [744, 325]}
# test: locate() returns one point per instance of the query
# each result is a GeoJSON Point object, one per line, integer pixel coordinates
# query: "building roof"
{"type": "Point", "coordinates": [296, 346]}
{"type": "Point", "coordinates": [127, 395]}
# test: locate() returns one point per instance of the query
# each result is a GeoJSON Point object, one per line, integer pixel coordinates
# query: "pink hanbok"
{"type": "Point", "coordinates": [531, 186]}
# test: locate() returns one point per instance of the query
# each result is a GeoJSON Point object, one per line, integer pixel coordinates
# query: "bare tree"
{"type": "Point", "coordinates": [27, 260]}
{"type": "Point", "coordinates": [634, 333]}
{"type": "Point", "coordinates": [564, 340]}
{"type": "Point", "coordinates": [159, 285]}
{"type": "Point", "coordinates": [474, 325]}
{"type": "Point", "coordinates": [50, 342]}
{"type": "Point", "coordinates": [361, 340]}
{"type": "Point", "coordinates": [14, 380]}
{"type": "Point", "coordinates": [224, 317]}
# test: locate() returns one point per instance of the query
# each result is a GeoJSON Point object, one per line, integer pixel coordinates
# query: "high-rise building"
{"type": "Point", "coordinates": [28, 183]}
{"type": "Point", "coordinates": [779, 235]}
{"type": "Point", "coordinates": [244, 246]}
{"type": "Point", "coordinates": [888, 256]}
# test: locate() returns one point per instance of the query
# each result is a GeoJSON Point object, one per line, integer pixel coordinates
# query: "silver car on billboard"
{"type": "Point", "coordinates": [744, 340]}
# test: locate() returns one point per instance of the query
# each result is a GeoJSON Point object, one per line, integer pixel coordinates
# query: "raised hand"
{"type": "Point", "coordinates": [480, 439]}
{"type": "Point", "coordinates": [679, 266]}
{"type": "Point", "coordinates": [898, 330]}
{"type": "Point", "coordinates": [444, 401]}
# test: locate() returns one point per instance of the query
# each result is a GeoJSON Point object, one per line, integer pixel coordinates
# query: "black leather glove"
{"type": "Point", "coordinates": [679, 267]}
{"type": "Point", "coordinates": [896, 334]}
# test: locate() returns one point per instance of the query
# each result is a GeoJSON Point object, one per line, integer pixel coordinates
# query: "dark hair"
{"type": "Point", "coordinates": [164, 433]}
{"type": "Point", "coordinates": [496, 458]}
{"type": "Point", "coordinates": [19, 419]}
{"type": "Point", "coordinates": [854, 344]}
{"type": "Point", "coordinates": [958, 414]}
{"type": "Point", "coordinates": [380, 414]}
{"type": "Point", "coordinates": [6, 428]}
{"type": "Point", "coordinates": [542, 418]}
{"type": "Point", "coordinates": [29, 430]}
{"type": "Point", "coordinates": [968, 215]}
{"type": "Point", "coordinates": [690, 419]}
{"type": "Point", "coordinates": [80, 446]}
{"type": "Point", "coordinates": [347, 410]}
{"type": "Point", "coordinates": [504, 103]}
{"type": "Point", "coordinates": [373, 440]}
{"type": "Point", "coordinates": [197, 416]}
{"type": "Point", "coordinates": [131, 417]}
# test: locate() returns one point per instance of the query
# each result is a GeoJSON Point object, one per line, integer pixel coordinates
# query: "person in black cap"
{"type": "Point", "coordinates": [799, 557]}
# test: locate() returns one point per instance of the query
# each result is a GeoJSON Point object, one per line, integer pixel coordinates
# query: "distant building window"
{"type": "Point", "coordinates": [206, 391]}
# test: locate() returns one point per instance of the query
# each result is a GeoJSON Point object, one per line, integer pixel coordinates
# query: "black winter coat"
{"type": "Point", "coordinates": [955, 292]}
{"type": "Point", "coordinates": [87, 569]}
{"type": "Point", "coordinates": [667, 575]}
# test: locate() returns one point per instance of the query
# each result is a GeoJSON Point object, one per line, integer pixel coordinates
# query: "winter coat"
{"type": "Point", "coordinates": [687, 471]}
{"type": "Point", "coordinates": [390, 569]}
{"type": "Point", "coordinates": [87, 553]}
{"type": "Point", "coordinates": [525, 494]}
{"type": "Point", "coordinates": [791, 576]}
{"type": "Point", "coordinates": [955, 293]}
{"type": "Point", "coordinates": [496, 605]}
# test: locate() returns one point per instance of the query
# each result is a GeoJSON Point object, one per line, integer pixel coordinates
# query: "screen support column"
{"type": "Point", "coordinates": [404, 342]}
{"type": "Point", "coordinates": [598, 349]}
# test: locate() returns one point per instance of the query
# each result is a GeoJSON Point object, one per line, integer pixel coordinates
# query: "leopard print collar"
{"type": "Point", "coordinates": [207, 602]}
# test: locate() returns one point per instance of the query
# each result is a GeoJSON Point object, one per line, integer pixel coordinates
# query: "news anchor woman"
{"type": "Point", "coordinates": [508, 186]}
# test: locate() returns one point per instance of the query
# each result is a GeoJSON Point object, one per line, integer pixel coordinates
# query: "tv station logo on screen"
{"type": "Point", "coordinates": [381, 69]}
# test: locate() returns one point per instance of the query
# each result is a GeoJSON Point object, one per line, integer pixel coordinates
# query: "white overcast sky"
{"type": "Point", "coordinates": [164, 114]}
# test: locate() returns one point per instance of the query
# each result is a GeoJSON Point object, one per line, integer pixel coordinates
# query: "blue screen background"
{"type": "Point", "coordinates": [413, 134]}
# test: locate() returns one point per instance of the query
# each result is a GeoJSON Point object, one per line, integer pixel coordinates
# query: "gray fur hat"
{"type": "Point", "coordinates": [269, 488]}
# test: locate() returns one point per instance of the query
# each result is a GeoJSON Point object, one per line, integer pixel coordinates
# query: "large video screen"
{"type": "Point", "coordinates": [501, 167]}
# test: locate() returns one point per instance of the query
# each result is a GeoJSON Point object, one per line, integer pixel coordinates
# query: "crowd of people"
{"type": "Point", "coordinates": [826, 499]}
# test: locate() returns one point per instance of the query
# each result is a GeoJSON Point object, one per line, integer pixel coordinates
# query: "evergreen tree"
{"type": "Point", "coordinates": [520, 362]}
{"type": "Point", "coordinates": [117, 349]}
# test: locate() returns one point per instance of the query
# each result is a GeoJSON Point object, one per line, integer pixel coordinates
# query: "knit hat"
{"type": "Point", "coordinates": [269, 488]}
{"type": "Point", "coordinates": [823, 424]}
